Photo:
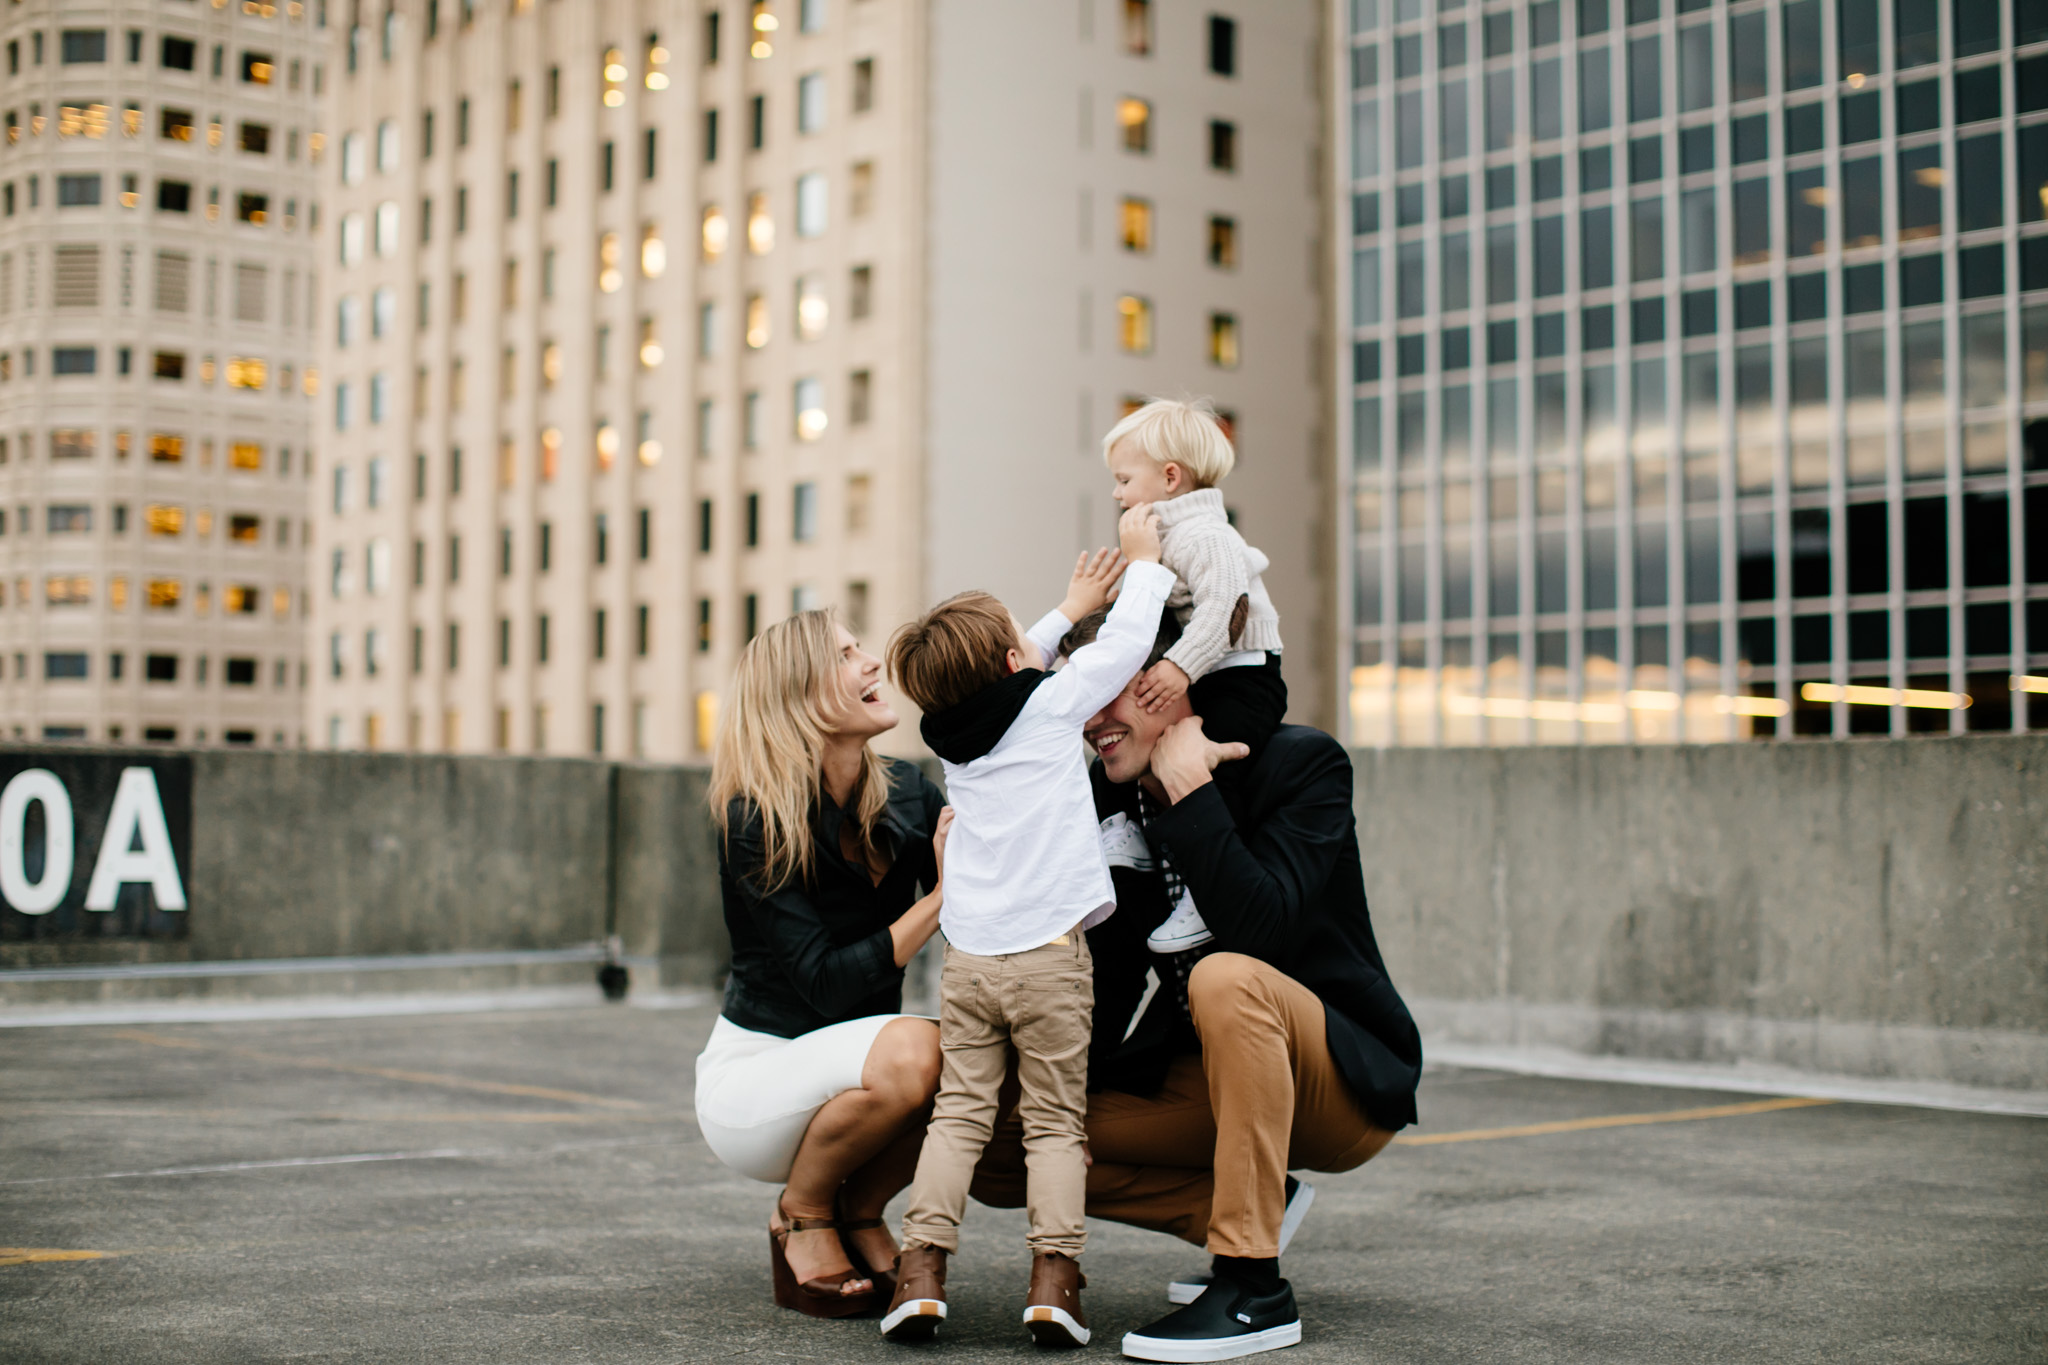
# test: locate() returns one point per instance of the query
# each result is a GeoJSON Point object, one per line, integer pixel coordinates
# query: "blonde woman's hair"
{"type": "Point", "coordinates": [1185, 432]}
{"type": "Point", "coordinates": [770, 749]}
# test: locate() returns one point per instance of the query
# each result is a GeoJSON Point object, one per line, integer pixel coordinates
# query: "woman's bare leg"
{"type": "Point", "coordinates": [863, 1140]}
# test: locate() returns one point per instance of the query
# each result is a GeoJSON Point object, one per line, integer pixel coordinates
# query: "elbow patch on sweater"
{"type": "Point", "coordinates": [1239, 614]}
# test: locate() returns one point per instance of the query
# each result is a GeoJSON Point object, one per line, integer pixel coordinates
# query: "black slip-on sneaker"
{"type": "Point", "coordinates": [1228, 1321]}
{"type": "Point", "coordinates": [1299, 1196]}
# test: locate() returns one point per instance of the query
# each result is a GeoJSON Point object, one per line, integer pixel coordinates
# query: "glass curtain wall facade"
{"type": "Point", "coordinates": [1698, 368]}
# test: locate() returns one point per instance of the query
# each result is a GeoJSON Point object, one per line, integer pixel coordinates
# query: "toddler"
{"type": "Point", "coordinates": [1025, 875]}
{"type": "Point", "coordinates": [1172, 455]}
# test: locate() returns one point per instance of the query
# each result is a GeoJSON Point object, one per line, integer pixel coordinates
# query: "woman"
{"type": "Point", "coordinates": [813, 1077]}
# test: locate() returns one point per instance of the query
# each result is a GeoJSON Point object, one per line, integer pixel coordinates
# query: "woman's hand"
{"type": "Point", "coordinates": [1184, 758]}
{"type": "Point", "coordinates": [945, 828]}
{"type": "Point", "coordinates": [1091, 585]}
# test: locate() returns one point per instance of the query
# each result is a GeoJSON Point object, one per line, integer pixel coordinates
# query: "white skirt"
{"type": "Point", "coordinates": [757, 1092]}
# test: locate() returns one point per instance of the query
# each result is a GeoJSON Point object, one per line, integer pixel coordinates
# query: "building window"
{"type": "Point", "coordinates": [760, 224]}
{"type": "Point", "coordinates": [1135, 220]}
{"type": "Point", "coordinates": [804, 513]}
{"type": "Point", "coordinates": [1222, 45]}
{"type": "Point", "coordinates": [1138, 27]}
{"type": "Point", "coordinates": [1134, 324]}
{"type": "Point", "coordinates": [810, 102]}
{"type": "Point", "coordinates": [812, 310]}
{"type": "Point", "coordinates": [860, 292]}
{"type": "Point", "coordinates": [810, 409]}
{"type": "Point", "coordinates": [811, 204]}
{"type": "Point", "coordinates": [859, 397]}
{"type": "Point", "coordinates": [753, 517]}
{"type": "Point", "coordinates": [1222, 145]}
{"type": "Point", "coordinates": [1223, 340]}
{"type": "Point", "coordinates": [1223, 243]}
{"type": "Point", "coordinates": [864, 85]}
{"type": "Point", "coordinates": [78, 191]}
{"type": "Point", "coordinates": [1135, 115]}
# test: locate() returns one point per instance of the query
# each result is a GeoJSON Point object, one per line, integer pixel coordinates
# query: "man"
{"type": "Point", "coordinates": [1280, 1044]}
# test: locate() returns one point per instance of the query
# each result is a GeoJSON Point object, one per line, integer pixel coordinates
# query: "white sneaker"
{"type": "Point", "coordinates": [1184, 929]}
{"type": "Point", "coordinates": [1123, 844]}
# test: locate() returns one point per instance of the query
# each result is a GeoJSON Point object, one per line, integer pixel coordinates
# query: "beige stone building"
{"type": "Point", "coordinates": [645, 324]}
{"type": "Point", "coordinates": [157, 217]}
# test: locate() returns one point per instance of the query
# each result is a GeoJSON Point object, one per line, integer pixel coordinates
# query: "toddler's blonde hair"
{"type": "Point", "coordinates": [1178, 431]}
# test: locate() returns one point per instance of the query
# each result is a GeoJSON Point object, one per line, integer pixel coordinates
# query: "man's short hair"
{"type": "Point", "coordinates": [953, 651]}
{"type": "Point", "coordinates": [1173, 431]}
{"type": "Point", "coordinates": [1088, 627]}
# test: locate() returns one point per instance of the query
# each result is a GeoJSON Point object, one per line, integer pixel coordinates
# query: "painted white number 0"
{"type": "Point", "coordinates": [35, 898]}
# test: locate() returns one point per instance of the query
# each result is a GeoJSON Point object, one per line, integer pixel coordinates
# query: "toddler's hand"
{"type": "Point", "coordinates": [1091, 585]}
{"type": "Point", "coordinates": [1138, 531]}
{"type": "Point", "coordinates": [1162, 685]}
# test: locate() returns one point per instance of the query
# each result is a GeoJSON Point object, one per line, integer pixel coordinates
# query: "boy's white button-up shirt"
{"type": "Point", "coordinates": [1024, 862]}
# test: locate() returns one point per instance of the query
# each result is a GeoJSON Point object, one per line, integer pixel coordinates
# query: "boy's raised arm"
{"type": "Point", "coordinates": [1097, 671]}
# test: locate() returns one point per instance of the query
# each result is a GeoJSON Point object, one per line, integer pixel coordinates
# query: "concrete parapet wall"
{"type": "Point", "coordinates": [1878, 909]}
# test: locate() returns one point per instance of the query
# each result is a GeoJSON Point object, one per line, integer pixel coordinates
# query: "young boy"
{"type": "Point", "coordinates": [1024, 876]}
{"type": "Point", "coordinates": [1172, 455]}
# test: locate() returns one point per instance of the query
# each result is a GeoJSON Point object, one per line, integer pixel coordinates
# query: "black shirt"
{"type": "Point", "coordinates": [1271, 858]}
{"type": "Point", "coordinates": [818, 951]}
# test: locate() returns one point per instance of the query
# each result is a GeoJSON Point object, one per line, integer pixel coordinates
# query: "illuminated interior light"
{"type": "Point", "coordinates": [2022, 683]}
{"type": "Point", "coordinates": [1752, 706]}
{"type": "Point", "coordinates": [1887, 696]}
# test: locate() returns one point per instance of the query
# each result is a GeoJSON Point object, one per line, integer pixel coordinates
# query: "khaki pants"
{"type": "Point", "coordinates": [1206, 1158]}
{"type": "Point", "coordinates": [1042, 1002]}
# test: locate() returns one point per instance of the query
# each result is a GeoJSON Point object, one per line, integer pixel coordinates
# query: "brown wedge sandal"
{"type": "Point", "coordinates": [823, 1297]}
{"type": "Point", "coordinates": [884, 1277]}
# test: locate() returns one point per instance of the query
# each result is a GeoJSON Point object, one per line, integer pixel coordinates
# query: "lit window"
{"type": "Point", "coordinates": [551, 363]}
{"type": "Point", "coordinates": [387, 145]}
{"type": "Point", "coordinates": [760, 227]}
{"type": "Point", "coordinates": [757, 322]}
{"type": "Point", "coordinates": [650, 345]}
{"type": "Point", "coordinates": [657, 58]}
{"type": "Point", "coordinates": [1223, 243]}
{"type": "Point", "coordinates": [240, 599]}
{"type": "Point", "coordinates": [550, 453]}
{"type": "Point", "coordinates": [248, 372]}
{"type": "Point", "coordinates": [614, 78]}
{"type": "Point", "coordinates": [810, 409]}
{"type": "Point", "coordinates": [1136, 117]}
{"type": "Point", "coordinates": [608, 277]}
{"type": "Point", "coordinates": [165, 448]}
{"type": "Point", "coordinates": [164, 594]}
{"type": "Point", "coordinates": [352, 238]}
{"type": "Point", "coordinates": [607, 444]}
{"type": "Point", "coordinates": [1223, 340]}
{"type": "Point", "coordinates": [245, 455]}
{"type": "Point", "coordinates": [716, 232]}
{"type": "Point", "coordinates": [1138, 27]}
{"type": "Point", "coordinates": [1134, 324]}
{"type": "Point", "coordinates": [812, 311]}
{"type": "Point", "coordinates": [68, 590]}
{"type": "Point", "coordinates": [384, 238]}
{"type": "Point", "coordinates": [764, 26]}
{"type": "Point", "coordinates": [653, 255]}
{"type": "Point", "coordinates": [811, 204]}
{"type": "Point", "coordinates": [1137, 225]}
{"type": "Point", "coordinates": [245, 528]}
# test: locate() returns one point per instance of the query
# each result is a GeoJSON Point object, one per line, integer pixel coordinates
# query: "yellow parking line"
{"type": "Point", "coordinates": [388, 1073]}
{"type": "Point", "coordinates": [24, 1255]}
{"type": "Point", "coordinates": [1718, 1111]}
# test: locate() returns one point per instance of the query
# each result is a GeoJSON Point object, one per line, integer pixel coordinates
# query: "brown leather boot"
{"type": "Point", "coordinates": [1053, 1309]}
{"type": "Point", "coordinates": [919, 1305]}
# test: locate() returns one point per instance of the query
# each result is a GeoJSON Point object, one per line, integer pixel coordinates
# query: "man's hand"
{"type": "Point", "coordinates": [945, 827]}
{"type": "Point", "coordinates": [1138, 532]}
{"type": "Point", "coordinates": [1161, 685]}
{"type": "Point", "coordinates": [1092, 584]}
{"type": "Point", "coordinates": [1184, 757]}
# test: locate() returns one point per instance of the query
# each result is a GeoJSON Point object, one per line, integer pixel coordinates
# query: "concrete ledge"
{"type": "Point", "coordinates": [1989, 1058]}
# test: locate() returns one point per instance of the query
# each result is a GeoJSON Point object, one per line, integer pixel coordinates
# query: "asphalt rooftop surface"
{"type": "Point", "coordinates": [531, 1187]}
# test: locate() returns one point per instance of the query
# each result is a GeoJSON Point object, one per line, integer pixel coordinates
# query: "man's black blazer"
{"type": "Point", "coordinates": [1270, 854]}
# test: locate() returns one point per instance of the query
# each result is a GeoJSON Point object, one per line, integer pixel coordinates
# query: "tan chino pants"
{"type": "Point", "coordinates": [1042, 1003]}
{"type": "Point", "coordinates": [1206, 1158]}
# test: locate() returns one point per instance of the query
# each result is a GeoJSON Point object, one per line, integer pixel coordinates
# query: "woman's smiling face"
{"type": "Point", "coordinates": [858, 710]}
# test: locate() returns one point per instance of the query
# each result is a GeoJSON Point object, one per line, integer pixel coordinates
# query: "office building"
{"type": "Point", "coordinates": [158, 206]}
{"type": "Point", "coordinates": [646, 324]}
{"type": "Point", "coordinates": [1697, 385]}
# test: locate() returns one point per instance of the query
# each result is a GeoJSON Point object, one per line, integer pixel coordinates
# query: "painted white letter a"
{"type": "Point", "coordinates": [137, 808]}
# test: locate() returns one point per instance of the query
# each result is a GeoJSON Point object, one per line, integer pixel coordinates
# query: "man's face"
{"type": "Point", "coordinates": [1123, 733]}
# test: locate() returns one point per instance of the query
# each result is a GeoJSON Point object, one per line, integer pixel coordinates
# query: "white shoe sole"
{"type": "Point", "coordinates": [914, 1319]}
{"type": "Point", "coordinates": [1054, 1326]}
{"type": "Point", "coordinates": [1216, 1348]}
{"type": "Point", "coordinates": [1164, 946]}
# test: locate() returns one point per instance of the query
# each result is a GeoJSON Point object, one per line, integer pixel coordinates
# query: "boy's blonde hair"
{"type": "Point", "coordinates": [1177, 431]}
